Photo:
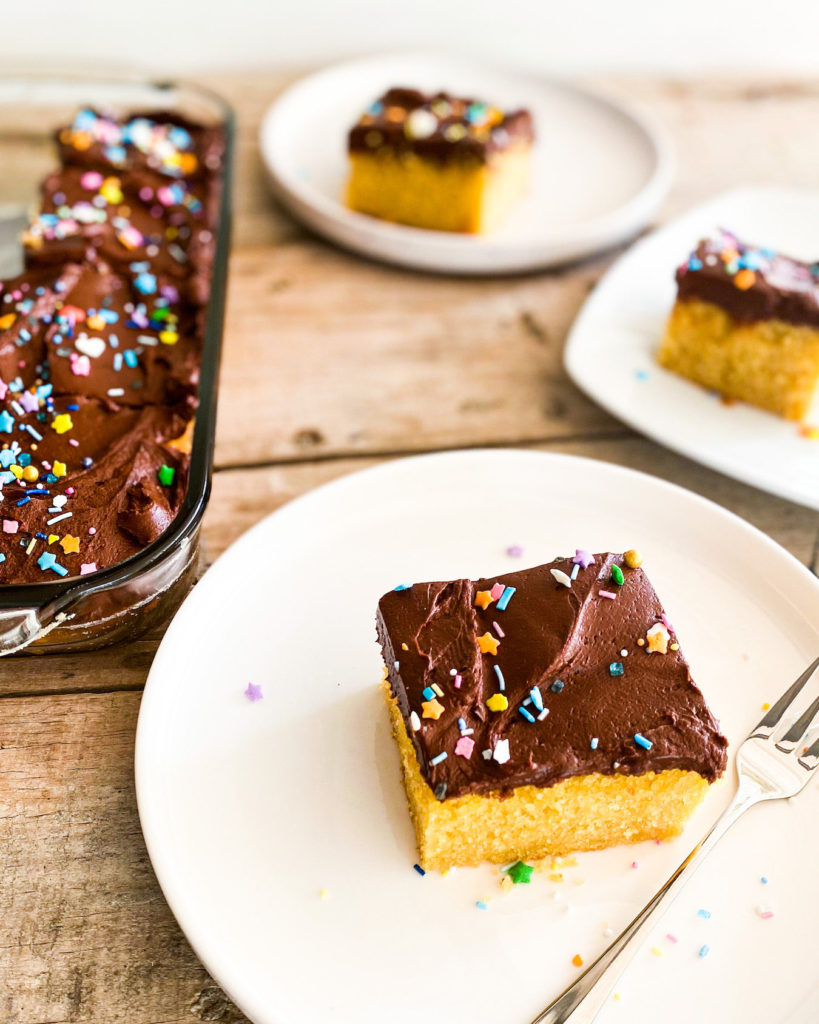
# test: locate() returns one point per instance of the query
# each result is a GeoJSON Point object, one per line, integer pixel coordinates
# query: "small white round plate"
{"type": "Point", "coordinates": [600, 170]}
{"type": "Point", "coordinates": [611, 348]}
{"type": "Point", "coordinates": [249, 810]}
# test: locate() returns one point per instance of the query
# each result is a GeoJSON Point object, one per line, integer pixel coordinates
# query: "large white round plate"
{"type": "Point", "coordinates": [250, 809]}
{"type": "Point", "coordinates": [610, 351]}
{"type": "Point", "coordinates": [600, 170]}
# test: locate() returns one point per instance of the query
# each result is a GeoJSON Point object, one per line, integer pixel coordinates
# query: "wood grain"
{"type": "Point", "coordinates": [331, 364]}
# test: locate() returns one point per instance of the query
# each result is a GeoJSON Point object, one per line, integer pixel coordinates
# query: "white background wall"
{"type": "Point", "coordinates": [677, 36]}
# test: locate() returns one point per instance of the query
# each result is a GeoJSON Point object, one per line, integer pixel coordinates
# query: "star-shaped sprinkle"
{"type": "Point", "coordinates": [657, 638]}
{"type": "Point", "coordinates": [47, 560]}
{"type": "Point", "coordinates": [432, 709]}
{"type": "Point", "coordinates": [583, 558]}
{"type": "Point", "coordinates": [483, 599]}
{"type": "Point", "coordinates": [488, 644]}
{"type": "Point", "coordinates": [497, 702]}
{"type": "Point", "coordinates": [69, 544]}
{"type": "Point", "coordinates": [520, 873]}
{"type": "Point", "coordinates": [62, 423]}
{"type": "Point", "coordinates": [464, 747]}
{"type": "Point", "coordinates": [254, 692]}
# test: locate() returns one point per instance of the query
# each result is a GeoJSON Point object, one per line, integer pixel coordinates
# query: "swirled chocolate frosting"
{"type": "Point", "coordinates": [534, 677]}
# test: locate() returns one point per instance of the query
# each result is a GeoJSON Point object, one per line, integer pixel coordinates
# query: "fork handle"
{"type": "Point", "coordinates": [583, 1000]}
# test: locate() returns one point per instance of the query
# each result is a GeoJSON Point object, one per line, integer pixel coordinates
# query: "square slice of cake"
{"type": "Point", "coordinates": [543, 712]}
{"type": "Point", "coordinates": [746, 324]}
{"type": "Point", "coordinates": [439, 162]}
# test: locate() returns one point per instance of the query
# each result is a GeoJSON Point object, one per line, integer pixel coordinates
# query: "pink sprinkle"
{"type": "Point", "coordinates": [634, 863]}
{"type": "Point", "coordinates": [514, 551]}
{"type": "Point", "coordinates": [91, 180]}
{"type": "Point", "coordinates": [464, 746]}
{"type": "Point", "coordinates": [92, 530]}
{"type": "Point", "coordinates": [21, 363]}
{"type": "Point", "coordinates": [498, 630]}
{"type": "Point", "coordinates": [606, 593]}
{"type": "Point", "coordinates": [69, 490]}
{"type": "Point", "coordinates": [10, 526]}
{"type": "Point", "coordinates": [80, 365]}
{"type": "Point", "coordinates": [672, 938]}
{"type": "Point", "coordinates": [74, 442]}
{"type": "Point", "coordinates": [667, 624]}
{"type": "Point", "coordinates": [87, 567]}
{"type": "Point", "coordinates": [254, 692]}
{"type": "Point", "coordinates": [496, 591]}
{"type": "Point", "coordinates": [3, 389]}
{"type": "Point", "coordinates": [457, 682]}
{"type": "Point", "coordinates": [766, 914]}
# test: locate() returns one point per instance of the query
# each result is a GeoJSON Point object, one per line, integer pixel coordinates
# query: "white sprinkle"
{"type": "Point", "coordinates": [624, 653]}
{"type": "Point", "coordinates": [93, 347]}
{"type": "Point", "coordinates": [57, 519]}
{"type": "Point", "coordinates": [561, 577]}
{"type": "Point", "coordinates": [395, 665]}
{"type": "Point", "coordinates": [501, 753]}
{"type": "Point", "coordinates": [115, 392]}
{"type": "Point", "coordinates": [415, 721]}
{"type": "Point", "coordinates": [543, 714]}
{"type": "Point", "coordinates": [146, 339]}
{"type": "Point", "coordinates": [486, 754]}
{"type": "Point", "coordinates": [59, 500]}
{"type": "Point", "coordinates": [420, 124]}
{"type": "Point", "coordinates": [453, 671]}
{"type": "Point", "coordinates": [467, 732]}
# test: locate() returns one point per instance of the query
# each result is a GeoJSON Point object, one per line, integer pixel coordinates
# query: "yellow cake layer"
{"type": "Point", "coordinates": [770, 363]}
{"type": "Point", "coordinates": [455, 195]}
{"type": "Point", "coordinates": [588, 812]}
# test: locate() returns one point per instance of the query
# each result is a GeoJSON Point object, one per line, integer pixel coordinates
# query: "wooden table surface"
{"type": "Point", "coordinates": [331, 364]}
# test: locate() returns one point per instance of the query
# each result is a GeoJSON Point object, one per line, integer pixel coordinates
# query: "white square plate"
{"type": "Point", "coordinates": [610, 351]}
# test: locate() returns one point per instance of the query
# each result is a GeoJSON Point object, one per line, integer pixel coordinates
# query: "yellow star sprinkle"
{"type": "Point", "coordinates": [657, 638]}
{"type": "Point", "coordinates": [58, 469]}
{"type": "Point", "coordinates": [62, 423]}
{"type": "Point", "coordinates": [488, 644]}
{"type": "Point", "coordinates": [432, 709]}
{"type": "Point", "coordinates": [16, 470]}
{"type": "Point", "coordinates": [52, 537]}
{"type": "Point", "coordinates": [497, 702]}
{"type": "Point", "coordinates": [483, 599]}
{"type": "Point", "coordinates": [69, 544]}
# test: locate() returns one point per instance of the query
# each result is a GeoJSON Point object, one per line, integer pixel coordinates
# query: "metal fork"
{"type": "Point", "coordinates": [772, 763]}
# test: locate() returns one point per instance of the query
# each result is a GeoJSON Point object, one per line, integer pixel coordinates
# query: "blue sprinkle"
{"type": "Point", "coordinates": [575, 571]}
{"type": "Point", "coordinates": [641, 741]}
{"type": "Point", "coordinates": [462, 724]}
{"type": "Point", "coordinates": [537, 699]}
{"type": "Point", "coordinates": [427, 693]}
{"type": "Point", "coordinates": [616, 668]}
{"type": "Point", "coordinates": [42, 536]}
{"type": "Point", "coordinates": [23, 501]}
{"type": "Point", "coordinates": [501, 680]}
{"type": "Point", "coordinates": [695, 263]}
{"type": "Point", "coordinates": [24, 459]}
{"type": "Point", "coordinates": [130, 358]}
{"type": "Point", "coordinates": [505, 598]}
{"type": "Point", "coordinates": [2, 557]}
{"type": "Point", "coordinates": [557, 686]}
{"type": "Point", "coordinates": [703, 952]}
{"type": "Point", "coordinates": [641, 374]}
{"type": "Point", "coordinates": [481, 905]}
{"type": "Point", "coordinates": [764, 880]}
{"type": "Point", "coordinates": [594, 743]}
{"type": "Point", "coordinates": [72, 407]}
{"type": "Point", "coordinates": [6, 421]}
{"type": "Point", "coordinates": [704, 914]}
{"type": "Point", "coordinates": [419, 869]}
{"type": "Point", "coordinates": [6, 458]}
{"type": "Point", "coordinates": [526, 714]}
{"type": "Point", "coordinates": [438, 758]}
{"type": "Point", "coordinates": [403, 586]}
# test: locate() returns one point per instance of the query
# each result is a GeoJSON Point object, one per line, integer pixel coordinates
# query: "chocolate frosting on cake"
{"type": "Point", "coordinates": [750, 283]}
{"type": "Point", "coordinates": [100, 345]}
{"type": "Point", "coordinates": [439, 126]}
{"type": "Point", "coordinates": [566, 644]}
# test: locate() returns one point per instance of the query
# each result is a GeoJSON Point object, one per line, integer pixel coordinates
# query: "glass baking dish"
{"type": "Point", "coordinates": [124, 600]}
